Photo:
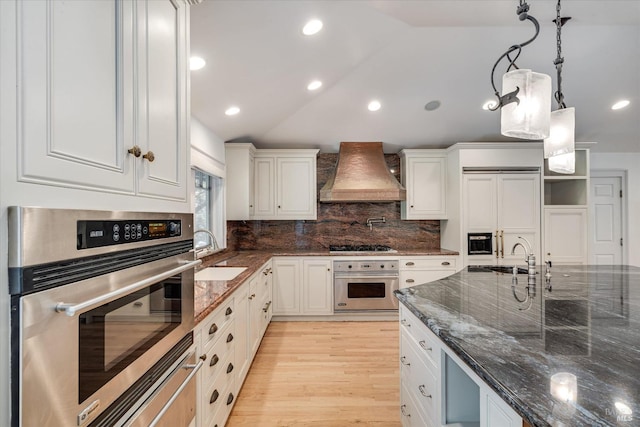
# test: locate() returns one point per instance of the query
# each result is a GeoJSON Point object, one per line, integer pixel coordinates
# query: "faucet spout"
{"type": "Point", "coordinates": [530, 257]}
{"type": "Point", "coordinates": [214, 247]}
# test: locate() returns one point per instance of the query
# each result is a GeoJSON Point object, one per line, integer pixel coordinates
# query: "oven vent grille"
{"type": "Point", "coordinates": [26, 280]}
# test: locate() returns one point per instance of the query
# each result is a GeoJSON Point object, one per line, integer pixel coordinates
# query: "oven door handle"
{"type": "Point", "coordinates": [367, 277]}
{"type": "Point", "coordinates": [176, 394]}
{"type": "Point", "coordinates": [72, 309]}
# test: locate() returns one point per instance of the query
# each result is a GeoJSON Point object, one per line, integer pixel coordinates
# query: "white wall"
{"type": "Point", "coordinates": [207, 149]}
{"type": "Point", "coordinates": [629, 162]}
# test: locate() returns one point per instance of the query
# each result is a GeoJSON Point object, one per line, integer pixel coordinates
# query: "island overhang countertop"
{"type": "Point", "coordinates": [583, 321]}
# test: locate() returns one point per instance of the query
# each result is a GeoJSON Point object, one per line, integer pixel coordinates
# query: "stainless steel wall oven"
{"type": "Point", "coordinates": [364, 285]}
{"type": "Point", "coordinates": [94, 341]}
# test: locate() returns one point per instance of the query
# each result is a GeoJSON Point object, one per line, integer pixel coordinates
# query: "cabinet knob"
{"type": "Point", "coordinates": [214, 360]}
{"type": "Point", "coordinates": [228, 311]}
{"type": "Point", "coordinates": [229, 368]}
{"type": "Point", "coordinates": [230, 399]}
{"type": "Point", "coordinates": [250, 206]}
{"type": "Point", "coordinates": [149, 156]}
{"type": "Point", "coordinates": [214, 396]}
{"type": "Point", "coordinates": [135, 150]}
{"type": "Point", "coordinates": [411, 206]}
{"type": "Point", "coordinates": [229, 338]}
{"type": "Point", "coordinates": [278, 206]}
{"type": "Point", "coordinates": [213, 329]}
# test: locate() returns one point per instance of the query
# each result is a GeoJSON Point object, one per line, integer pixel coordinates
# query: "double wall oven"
{"type": "Point", "coordinates": [102, 318]}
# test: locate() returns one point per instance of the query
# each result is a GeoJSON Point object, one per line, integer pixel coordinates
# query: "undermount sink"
{"type": "Point", "coordinates": [507, 269]}
{"type": "Point", "coordinates": [219, 273]}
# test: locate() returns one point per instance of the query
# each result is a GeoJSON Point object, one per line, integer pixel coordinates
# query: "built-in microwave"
{"type": "Point", "coordinates": [479, 244]}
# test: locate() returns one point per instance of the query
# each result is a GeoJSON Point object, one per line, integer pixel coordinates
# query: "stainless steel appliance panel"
{"type": "Point", "coordinates": [365, 285]}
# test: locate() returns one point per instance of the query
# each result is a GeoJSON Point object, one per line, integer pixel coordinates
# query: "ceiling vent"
{"type": "Point", "coordinates": [362, 175]}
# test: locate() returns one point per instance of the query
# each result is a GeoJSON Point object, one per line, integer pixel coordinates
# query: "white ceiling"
{"type": "Point", "coordinates": [405, 54]}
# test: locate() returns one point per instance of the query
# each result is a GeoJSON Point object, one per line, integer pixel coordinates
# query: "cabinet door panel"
{"type": "Point", "coordinates": [566, 235]}
{"type": "Point", "coordinates": [317, 287]}
{"type": "Point", "coordinates": [296, 193]}
{"type": "Point", "coordinates": [286, 287]}
{"type": "Point", "coordinates": [480, 203]}
{"type": "Point", "coordinates": [264, 188]}
{"type": "Point", "coordinates": [162, 110]}
{"type": "Point", "coordinates": [426, 189]}
{"type": "Point", "coordinates": [75, 94]}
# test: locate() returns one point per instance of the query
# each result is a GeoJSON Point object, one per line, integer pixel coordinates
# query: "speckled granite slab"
{"type": "Point", "coordinates": [586, 324]}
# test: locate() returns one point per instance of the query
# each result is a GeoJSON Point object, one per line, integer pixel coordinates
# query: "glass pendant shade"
{"type": "Point", "coordinates": [530, 118]}
{"type": "Point", "coordinates": [563, 163]}
{"type": "Point", "coordinates": [562, 133]}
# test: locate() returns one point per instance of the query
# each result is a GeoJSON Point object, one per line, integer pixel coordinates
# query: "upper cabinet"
{"type": "Point", "coordinates": [424, 174]}
{"type": "Point", "coordinates": [271, 184]}
{"type": "Point", "coordinates": [102, 96]}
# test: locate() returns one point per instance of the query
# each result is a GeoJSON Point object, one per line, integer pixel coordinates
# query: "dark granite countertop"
{"type": "Point", "coordinates": [587, 324]}
{"type": "Point", "coordinates": [209, 294]}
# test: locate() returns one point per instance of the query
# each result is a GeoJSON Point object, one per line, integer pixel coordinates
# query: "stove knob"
{"type": "Point", "coordinates": [174, 229]}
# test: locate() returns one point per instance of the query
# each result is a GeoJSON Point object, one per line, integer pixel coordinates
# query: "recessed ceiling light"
{"type": "Point", "coordinates": [196, 63]}
{"type": "Point", "coordinates": [620, 104]}
{"type": "Point", "coordinates": [489, 104]}
{"type": "Point", "coordinates": [232, 111]}
{"type": "Point", "coordinates": [432, 105]}
{"type": "Point", "coordinates": [312, 27]}
{"type": "Point", "coordinates": [374, 105]}
{"type": "Point", "coordinates": [314, 85]}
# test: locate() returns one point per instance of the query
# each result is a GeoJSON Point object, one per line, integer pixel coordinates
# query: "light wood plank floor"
{"type": "Point", "coordinates": [329, 374]}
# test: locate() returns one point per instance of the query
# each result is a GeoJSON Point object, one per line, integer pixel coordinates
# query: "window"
{"type": "Point", "coordinates": [208, 209]}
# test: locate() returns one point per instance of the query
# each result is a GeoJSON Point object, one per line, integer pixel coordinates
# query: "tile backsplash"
{"type": "Point", "coordinates": [337, 223]}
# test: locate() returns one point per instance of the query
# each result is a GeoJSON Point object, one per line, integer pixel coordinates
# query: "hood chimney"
{"type": "Point", "coordinates": [362, 175]}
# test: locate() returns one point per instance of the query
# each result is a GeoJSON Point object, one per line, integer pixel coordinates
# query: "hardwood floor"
{"type": "Point", "coordinates": [325, 374]}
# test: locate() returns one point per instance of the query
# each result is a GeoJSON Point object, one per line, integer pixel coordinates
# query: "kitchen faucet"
{"type": "Point", "coordinates": [207, 250]}
{"type": "Point", "coordinates": [530, 258]}
{"type": "Point", "coordinates": [371, 221]}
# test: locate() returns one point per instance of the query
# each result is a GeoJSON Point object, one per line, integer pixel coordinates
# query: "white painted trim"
{"type": "Point", "coordinates": [613, 173]}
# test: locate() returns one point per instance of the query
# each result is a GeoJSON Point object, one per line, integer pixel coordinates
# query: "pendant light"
{"type": "Point", "coordinates": [561, 141]}
{"type": "Point", "coordinates": [526, 103]}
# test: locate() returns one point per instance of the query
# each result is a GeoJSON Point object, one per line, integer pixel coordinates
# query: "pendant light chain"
{"type": "Point", "coordinates": [559, 96]}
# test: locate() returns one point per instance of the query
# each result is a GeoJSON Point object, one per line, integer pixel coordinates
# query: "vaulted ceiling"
{"type": "Point", "coordinates": [405, 54]}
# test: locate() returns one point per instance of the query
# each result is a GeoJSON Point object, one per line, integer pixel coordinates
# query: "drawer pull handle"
{"type": "Point", "coordinates": [213, 329]}
{"type": "Point", "coordinates": [423, 345]}
{"type": "Point", "coordinates": [424, 393]}
{"type": "Point", "coordinates": [228, 311]}
{"type": "Point", "coordinates": [214, 360]}
{"type": "Point", "coordinates": [229, 338]}
{"type": "Point", "coordinates": [405, 323]}
{"type": "Point", "coordinates": [409, 280]}
{"type": "Point", "coordinates": [230, 399]}
{"type": "Point", "coordinates": [266, 307]}
{"type": "Point", "coordinates": [229, 368]}
{"type": "Point", "coordinates": [446, 263]}
{"type": "Point", "coordinates": [403, 409]}
{"type": "Point", "coordinates": [410, 263]}
{"type": "Point", "coordinates": [403, 359]}
{"type": "Point", "coordinates": [252, 296]}
{"type": "Point", "coordinates": [214, 396]}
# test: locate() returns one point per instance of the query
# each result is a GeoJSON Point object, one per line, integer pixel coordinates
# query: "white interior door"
{"type": "Point", "coordinates": [606, 220]}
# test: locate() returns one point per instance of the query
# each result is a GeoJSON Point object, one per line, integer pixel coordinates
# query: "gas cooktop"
{"type": "Point", "coordinates": [359, 248]}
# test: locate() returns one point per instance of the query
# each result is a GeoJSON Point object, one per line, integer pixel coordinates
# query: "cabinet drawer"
{"type": "Point", "coordinates": [419, 376]}
{"type": "Point", "coordinates": [427, 342]}
{"type": "Point", "coordinates": [217, 321]}
{"type": "Point", "coordinates": [409, 413]}
{"type": "Point", "coordinates": [431, 263]}
{"type": "Point", "coordinates": [218, 352]}
{"type": "Point", "coordinates": [217, 408]}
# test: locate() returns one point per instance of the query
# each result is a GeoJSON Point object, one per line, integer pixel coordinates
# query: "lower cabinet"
{"type": "Point", "coordinates": [437, 388]}
{"type": "Point", "coordinates": [566, 235]}
{"type": "Point", "coordinates": [228, 340]}
{"type": "Point", "coordinates": [302, 286]}
{"type": "Point", "coordinates": [419, 270]}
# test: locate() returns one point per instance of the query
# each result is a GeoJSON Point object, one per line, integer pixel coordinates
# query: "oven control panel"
{"type": "Point", "coordinates": [365, 266]}
{"type": "Point", "coordinates": [93, 234]}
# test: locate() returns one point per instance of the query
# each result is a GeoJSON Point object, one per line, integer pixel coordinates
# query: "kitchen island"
{"type": "Point", "coordinates": [584, 321]}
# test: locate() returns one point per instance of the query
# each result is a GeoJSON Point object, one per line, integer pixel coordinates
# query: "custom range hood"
{"type": "Point", "coordinates": [362, 175]}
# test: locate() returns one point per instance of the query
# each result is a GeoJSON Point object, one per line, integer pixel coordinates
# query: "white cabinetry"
{"type": "Point", "coordinates": [437, 388]}
{"type": "Point", "coordinates": [270, 184]}
{"type": "Point", "coordinates": [424, 174]}
{"type": "Point", "coordinates": [285, 184]}
{"type": "Point", "coordinates": [506, 205]}
{"type": "Point", "coordinates": [317, 289]}
{"type": "Point", "coordinates": [215, 337]}
{"type": "Point", "coordinates": [566, 204]}
{"type": "Point", "coordinates": [240, 164]}
{"type": "Point", "coordinates": [302, 286]}
{"type": "Point", "coordinates": [419, 270]}
{"type": "Point", "coordinates": [97, 79]}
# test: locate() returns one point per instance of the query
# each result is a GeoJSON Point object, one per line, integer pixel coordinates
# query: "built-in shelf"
{"type": "Point", "coordinates": [582, 166]}
{"type": "Point", "coordinates": [568, 190]}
